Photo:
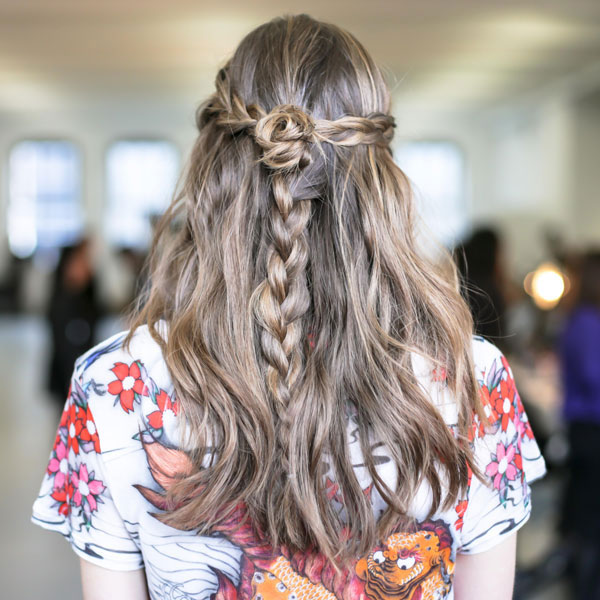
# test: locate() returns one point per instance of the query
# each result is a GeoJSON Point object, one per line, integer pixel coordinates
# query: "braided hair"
{"type": "Point", "coordinates": [288, 139]}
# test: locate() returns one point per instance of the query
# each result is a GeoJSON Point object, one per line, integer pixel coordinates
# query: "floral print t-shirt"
{"type": "Point", "coordinates": [116, 453]}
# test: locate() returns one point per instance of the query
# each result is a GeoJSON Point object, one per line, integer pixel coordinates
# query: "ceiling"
{"type": "Point", "coordinates": [453, 53]}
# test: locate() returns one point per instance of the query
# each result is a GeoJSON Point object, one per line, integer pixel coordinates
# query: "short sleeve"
{"type": "Point", "coordinates": [508, 457]}
{"type": "Point", "coordinates": [75, 497]}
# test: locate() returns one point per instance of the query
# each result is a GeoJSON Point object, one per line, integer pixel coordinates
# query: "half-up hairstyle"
{"type": "Point", "coordinates": [287, 275]}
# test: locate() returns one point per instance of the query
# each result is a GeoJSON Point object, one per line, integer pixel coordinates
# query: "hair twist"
{"type": "Point", "coordinates": [377, 128]}
{"type": "Point", "coordinates": [286, 132]}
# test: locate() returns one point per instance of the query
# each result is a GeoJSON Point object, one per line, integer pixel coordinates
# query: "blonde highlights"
{"type": "Point", "coordinates": [287, 273]}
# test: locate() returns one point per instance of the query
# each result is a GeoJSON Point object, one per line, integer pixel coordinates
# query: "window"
{"type": "Point", "coordinates": [437, 172]}
{"type": "Point", "coordinates": [141, 178]}
{"type": "Point", "coordinates": [44, 210]}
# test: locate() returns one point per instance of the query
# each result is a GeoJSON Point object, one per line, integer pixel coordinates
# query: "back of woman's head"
{"type": "Point", "coordinates": [287, 273]}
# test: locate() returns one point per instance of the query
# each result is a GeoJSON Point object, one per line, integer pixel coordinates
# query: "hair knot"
{"type": "Point", "coordinates": [285, 134]}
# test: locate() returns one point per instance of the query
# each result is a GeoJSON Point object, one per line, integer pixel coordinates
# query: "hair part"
{"type": "Point", "coordinates": [293, 294]}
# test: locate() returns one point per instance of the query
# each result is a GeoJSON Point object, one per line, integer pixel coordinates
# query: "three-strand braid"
{"type": "Point", "coordinates": [286, 135]}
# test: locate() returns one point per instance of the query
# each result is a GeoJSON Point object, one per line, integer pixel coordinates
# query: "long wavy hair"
{"type": "Point", "coordinates": [287, 273]}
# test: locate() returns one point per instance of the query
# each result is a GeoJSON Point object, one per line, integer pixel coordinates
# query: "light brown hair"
{"type": "Point", "coordinates": [287, 272]}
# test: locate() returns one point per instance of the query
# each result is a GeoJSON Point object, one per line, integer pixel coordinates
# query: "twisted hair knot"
{"type": "Point", "coordinates": [284, 134]}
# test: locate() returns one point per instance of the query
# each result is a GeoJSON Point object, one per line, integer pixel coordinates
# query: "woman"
{"type": "Point", "coordinates": [580, 362]}
{"type": "Point", "coordinates": [73, 314]}
{"type": "Point", "coordinates": [297, 410]}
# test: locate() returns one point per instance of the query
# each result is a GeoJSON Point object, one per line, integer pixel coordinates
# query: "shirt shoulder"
{"type": "Point", "coordinates": [485, 355]}
{"type": "Point", "coordinates": [128, 390]}
{"type": "Point", "coordinates": [487, 358]}
{"type": "Point", "coordinates": [143, 346]}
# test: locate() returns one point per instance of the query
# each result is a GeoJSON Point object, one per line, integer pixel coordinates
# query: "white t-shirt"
{"type": "Point", "coordinates": [116, 453]}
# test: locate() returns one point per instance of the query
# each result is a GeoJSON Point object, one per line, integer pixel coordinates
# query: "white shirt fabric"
{"type": "Point", "coordinates": [116, 452]}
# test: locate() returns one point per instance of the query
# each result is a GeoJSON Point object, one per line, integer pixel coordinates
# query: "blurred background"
{"type": "Point", "coordinates": [498, 111]}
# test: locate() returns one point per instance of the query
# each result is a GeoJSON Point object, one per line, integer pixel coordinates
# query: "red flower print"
{"type": "Point", "coordinates": [489, 399]}
{"type": "Point", "coordinates": [75, 424]}
{"type": "Point", "coordinates": [64, 418]}
{"type": "Point", "coordinates": [439, 374]}
{"type": "Point", "coordinates": [503, 464]}
{"type": "Point", "coordinates": [474, 428]}
{"type": "Point", "coordinates": [518, 462]}
{"type": "Point", "coordinates": [86, 488]}
{"type": "Point", "coordinates": [59, 464]}
{"type": "Point", "coordinates": [63, 497]}
{"type": "Point", "coordinates": [127, 384]}
{"type": "Point", "coordinates": [167, 410]}
{"type": "Point", "coordinates": [461, 509]}
{"type": "Point", "coordinates": [89, 436]}
{"type": "Point", "coordinates": [506, 366]}
{"type": "Point", "coordinates": [505, 403]}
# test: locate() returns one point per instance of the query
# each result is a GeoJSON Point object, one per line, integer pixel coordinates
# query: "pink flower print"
{"type": "Point", "coordinates": [439, 374]}
{"type": "Point", "coordinates": [127, 384]}
{"type": "Point", "coordinates": [59, 465]}
{"type": "Point", "coordinates": [502, 466]}
{"type": "Point", "coordinates": [86, 488]}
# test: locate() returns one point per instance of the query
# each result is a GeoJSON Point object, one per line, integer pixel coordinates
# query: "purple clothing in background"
{"type": "Point", "coordinates": [580, 362]}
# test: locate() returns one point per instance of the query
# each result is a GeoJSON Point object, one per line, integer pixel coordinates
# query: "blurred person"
{"type": "Point", "coordinates": [299, 409]}
{"type": "Point", "coordinates": [580, 363]}
{"type": "Point", "coordinates": [11, 283]}
{"type": "Point", "coordinates": [73, 313]}
{"type": "Point", "coordinates": [480, 265]}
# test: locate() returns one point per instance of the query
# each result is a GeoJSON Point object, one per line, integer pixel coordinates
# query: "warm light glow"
{"type": "Point", "coordinates": [546, 285]}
